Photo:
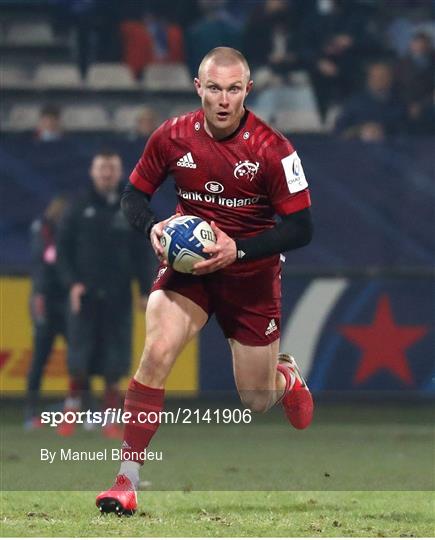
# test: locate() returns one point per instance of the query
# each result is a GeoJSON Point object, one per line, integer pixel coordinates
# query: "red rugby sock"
{"type": "Point", "coordinates": [138, 433]}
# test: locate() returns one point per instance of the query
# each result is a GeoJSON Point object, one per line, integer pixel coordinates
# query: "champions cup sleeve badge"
{"type": "Point", "coordinates": [246, 169]}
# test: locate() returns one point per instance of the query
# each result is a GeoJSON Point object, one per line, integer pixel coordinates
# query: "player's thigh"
{"type": "Point", "coordinates": [254, 366]}
{"type": "Point", "coordinates": [172, 320]}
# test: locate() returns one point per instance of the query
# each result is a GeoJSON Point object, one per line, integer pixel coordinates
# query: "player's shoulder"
{"type": "Point", "coordinates": [182, 126]}
{"type": "Point", "coordinates": [264, 138]}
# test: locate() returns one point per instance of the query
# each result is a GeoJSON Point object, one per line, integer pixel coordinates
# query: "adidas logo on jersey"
{"type": "Point", "coordinates": [187, 161]}
{"type": "Point", "coordinates": [271, 327]}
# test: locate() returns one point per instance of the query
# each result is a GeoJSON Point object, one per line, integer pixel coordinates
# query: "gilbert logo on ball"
{"type": "Point", "coordinates": [183, 240]}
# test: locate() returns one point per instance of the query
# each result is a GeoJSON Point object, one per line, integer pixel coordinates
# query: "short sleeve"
{"type": "Point", "coordinates": [152, 167]}
{"type": "Point", "coordinates": [286, 182]}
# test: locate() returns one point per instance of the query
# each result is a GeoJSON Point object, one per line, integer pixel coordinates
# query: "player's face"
{"type": "Point", "coordinates": [106, 173]}
{"type": "Point", "coordinates": [223, 90]}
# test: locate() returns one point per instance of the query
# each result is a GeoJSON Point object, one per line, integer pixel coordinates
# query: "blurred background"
{"type": "Point", "coordinates": [349, 82]}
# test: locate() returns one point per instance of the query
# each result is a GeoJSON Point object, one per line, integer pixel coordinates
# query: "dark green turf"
{"type": "Point", "coordinates": [353, 448]}
{"type": "Point", "coordinates": [205, 514]}
{"type": "Point", "coordinates": [358, 471]}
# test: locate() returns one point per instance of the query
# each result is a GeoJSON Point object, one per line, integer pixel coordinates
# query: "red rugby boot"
{"type": "Point", "coordinates": [120, 498]}
{"type": "Point", "coordinates": [297, 403]}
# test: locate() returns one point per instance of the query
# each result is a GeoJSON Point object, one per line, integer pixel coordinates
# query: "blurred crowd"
{"type": "Point", "coordinates": [373, 61]}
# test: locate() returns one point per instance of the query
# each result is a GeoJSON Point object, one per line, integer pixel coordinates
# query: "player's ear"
{"type": "Point", "coordinates": [249, 87]}
{"type": "Point", "coordinates": [198, 86]}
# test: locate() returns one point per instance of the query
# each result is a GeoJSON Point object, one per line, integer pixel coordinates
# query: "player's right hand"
{"type": "Point", "coordinates": [75, 297]}
{"type": "Point", "coordinates": [155, 235]}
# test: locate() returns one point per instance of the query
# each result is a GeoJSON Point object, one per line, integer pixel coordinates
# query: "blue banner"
{"type": "Point", "coordinates": [347, 334]}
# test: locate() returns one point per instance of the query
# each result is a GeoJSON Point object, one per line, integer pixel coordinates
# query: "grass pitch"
{"type": "Point", "coordinates": [207, 514]}
{"type": "Point", "coordinates": [358, 471]}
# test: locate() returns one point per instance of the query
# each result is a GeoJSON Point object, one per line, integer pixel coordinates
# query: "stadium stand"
{"type": "Point", "coordinates": [125, 117]}
{"type": "Point", "coordinates": [29, 33]}
{"type": "Point", "coordinates": [14, 76]}
{"type": "Point", "coordinates": [105, 76]}
{"type": "Point", "coordinates": [85, 118]}
{"type": "Point", "coordinates": [57, 76]}
{"type": "Point", "coordinates": [23, 117]}
{"type": "Point", "coordinates": [167, 77]}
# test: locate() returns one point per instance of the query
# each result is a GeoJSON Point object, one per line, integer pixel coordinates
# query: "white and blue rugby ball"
{"type": "Point", "coordinates": [183, 240]}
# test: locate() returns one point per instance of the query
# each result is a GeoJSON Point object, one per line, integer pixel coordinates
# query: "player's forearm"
{"type": "Point", "coordinates": [136, 208]}
{"type": "Point", "coordinates": [294, 231]}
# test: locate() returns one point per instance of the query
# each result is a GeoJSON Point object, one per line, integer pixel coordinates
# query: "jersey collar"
{"type": "Point", "coordinates": [234, 133]}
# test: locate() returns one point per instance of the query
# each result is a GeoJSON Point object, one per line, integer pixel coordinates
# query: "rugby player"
{"type": "Point", "coordinates": [235, 171]}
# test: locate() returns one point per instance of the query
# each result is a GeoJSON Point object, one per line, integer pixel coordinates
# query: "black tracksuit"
{"type": "Point", "coordinates": [46, 282]}
{"type": "Point", "coordinates": [98, 248]}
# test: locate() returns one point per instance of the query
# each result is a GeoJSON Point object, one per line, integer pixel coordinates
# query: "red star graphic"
{"type": "Point", "coordinates": [383, 344]}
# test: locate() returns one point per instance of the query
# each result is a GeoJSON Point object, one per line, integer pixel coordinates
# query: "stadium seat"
{"type": "Point", "coordinates": [85, 118]}
{"type": "Point", "coordinates": [57, 76]}
{"type": "Point", "coordinates": [29, 33]}
{"type": "Point", "coordinates": [300, 78]}
{"type": "Point", "coordinates": [13, 77]}
{"type": "Point", "coordinates": [331, 117]}
{"type": "Point", "coordinates": [22, 117]}
{"type": "Point", "coordinates": [167, 77]}
{"type": "Point", "coordinates": [299, 120]}
{"type": "Point", "coordinates": [101, 76]}
{"type": "Point", "coordinates": [125, 117]}
{"type": "Point", "coordinates": [183, 108]}
{"type": "Point", "coordinates": [264, 77]}
{"type": "Point", "coordinates": [290, 108]}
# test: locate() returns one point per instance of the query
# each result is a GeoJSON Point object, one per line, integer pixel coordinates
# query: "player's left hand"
{"type": "Point", "coordinates": [223, 253]}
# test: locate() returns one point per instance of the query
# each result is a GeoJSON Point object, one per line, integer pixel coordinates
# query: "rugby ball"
{"type": "Point", "coordinates": [183, 240]}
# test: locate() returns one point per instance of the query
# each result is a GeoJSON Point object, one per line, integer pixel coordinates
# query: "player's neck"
{"type": "Point", "coordinates": [219, 134]}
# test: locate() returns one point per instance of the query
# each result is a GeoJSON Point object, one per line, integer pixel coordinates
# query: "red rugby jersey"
{"type": "Point", "coordinates": [240, 182]}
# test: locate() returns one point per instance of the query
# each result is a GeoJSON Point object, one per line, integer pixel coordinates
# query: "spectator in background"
{"type": "Point", "coordinates": [271, 38]}
{"type": "Point", "coordinates": [49, 126]}
{"type": "Point", "coordinates": [404, 19]}
{"type": "Point", "coordinates": [152, 39]}
{"type": "Point", "coordinates": [95, 29]}
{"type": "Point", "coordinates": [374, 113]}
{"type": "Point", "coordinates": [338, 37]}
{"type": "Point", "coordinates": [48, 302]}
{"type": "Point", "coordinates": [99, 255]}
{"type": "Point", "coordinates": [215, 28]}
{"type": "Point", "coordinates": [415, 78]}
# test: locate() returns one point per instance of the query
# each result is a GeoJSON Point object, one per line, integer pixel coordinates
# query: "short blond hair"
{"type": "Point", "coordinates": [225, 56]}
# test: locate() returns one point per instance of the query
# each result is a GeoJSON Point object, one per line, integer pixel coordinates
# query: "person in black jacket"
{"type": "Point", "coordinates": [47, 302]}
{"type": "Point", "coordinates": [99, 255]}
